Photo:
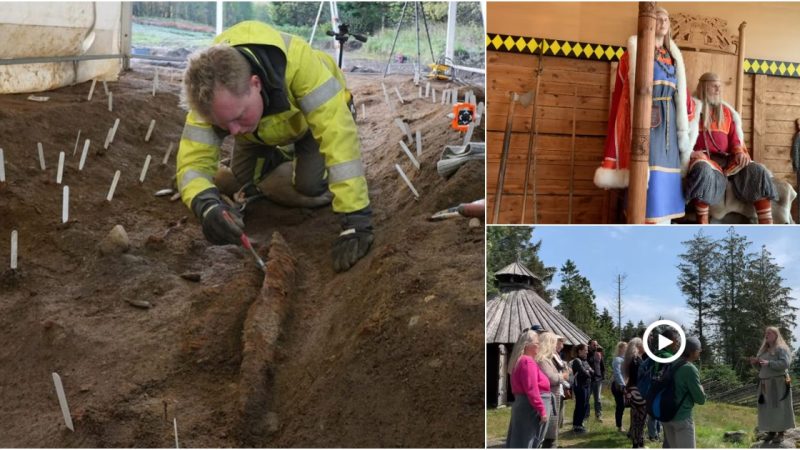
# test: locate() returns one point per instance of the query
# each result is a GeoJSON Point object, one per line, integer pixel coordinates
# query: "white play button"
{"type": "Point", "coordinates": [663, 342]}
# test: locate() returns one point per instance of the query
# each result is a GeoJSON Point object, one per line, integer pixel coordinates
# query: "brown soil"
{"type": "Point", "coordinates": [389, 353]}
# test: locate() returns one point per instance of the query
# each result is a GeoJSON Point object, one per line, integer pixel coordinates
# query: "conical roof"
{"type": "Point", "coordinates": [514, 310]}
{"type": "Point", "coordinates": [517, 269]}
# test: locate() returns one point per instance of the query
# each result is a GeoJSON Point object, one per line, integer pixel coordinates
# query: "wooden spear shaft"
{"type": "Point", "coordinates": [642, 105]}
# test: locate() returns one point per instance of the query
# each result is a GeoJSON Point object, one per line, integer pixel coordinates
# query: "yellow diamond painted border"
{"type": "Point", "coordinates": [601, 52]}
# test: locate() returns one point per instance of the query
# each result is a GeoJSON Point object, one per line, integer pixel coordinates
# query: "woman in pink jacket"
{"type": "Point", "coordinates": [531, 390]}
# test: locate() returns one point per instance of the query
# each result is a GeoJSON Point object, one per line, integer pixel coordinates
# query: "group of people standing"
{"type": "Point", "coordinates": [541, 381]}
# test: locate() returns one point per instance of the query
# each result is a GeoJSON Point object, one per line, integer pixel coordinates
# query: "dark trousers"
{"type": "Point", "coordinates": [619, 400]}
{"type": "Point", "coordinates": [581, 405]}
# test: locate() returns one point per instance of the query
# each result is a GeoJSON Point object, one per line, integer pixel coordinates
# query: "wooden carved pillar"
{"type": "Point", "coordinates": [642, 108]}
{"type": "Point", "coordinates": [502, 366]}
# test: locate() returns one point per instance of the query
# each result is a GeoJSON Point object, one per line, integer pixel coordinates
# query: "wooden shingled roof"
{"type": "Point", "coordinates": [510, 312]}
{"type": "Point", "coordinates": [518, 269]}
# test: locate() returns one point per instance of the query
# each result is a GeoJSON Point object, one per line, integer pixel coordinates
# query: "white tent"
{"type": "Point", "coordinates": [46, 45]}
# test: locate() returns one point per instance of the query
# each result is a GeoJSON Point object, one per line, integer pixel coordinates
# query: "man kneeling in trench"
{"type": "Point", "coordinates": [295, 135]}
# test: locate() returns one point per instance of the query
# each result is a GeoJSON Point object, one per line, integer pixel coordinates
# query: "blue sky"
{"type": "Point", "coordinates": [648, 255]}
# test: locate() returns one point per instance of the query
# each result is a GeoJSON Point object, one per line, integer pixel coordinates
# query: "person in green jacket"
{"type": "Point", "coordinates": [679, 432]}
{"type": "Point", "coordinates": [285, 103]}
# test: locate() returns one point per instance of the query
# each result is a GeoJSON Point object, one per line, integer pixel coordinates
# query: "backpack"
{"type": "Point", "coordinates": [661, 402]}
{"type": "Point", "coordinates": [649, 372]}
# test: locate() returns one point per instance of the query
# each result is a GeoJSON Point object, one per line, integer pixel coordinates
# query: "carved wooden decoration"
{"type": "Point", "coordinates": [703, 33]}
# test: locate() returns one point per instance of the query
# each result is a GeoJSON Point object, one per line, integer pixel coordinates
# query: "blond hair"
{"type": "Point", "coordinates": [779, 342]}
{"type": "Point", "coordinates": [631, 352]}
{"type": "Point", "coordinates": [217, 66]}
{"type": "Point", "coordinates": [547, 346]}
{"type": "Point", "coordinates": [621, 347]}
{"type": "Point", "coordinates": [526, 338]}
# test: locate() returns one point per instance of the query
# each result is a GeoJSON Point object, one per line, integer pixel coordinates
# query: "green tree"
{"type": "Point", "coordinates": [730, 296]}
{"type": "Point", "coordinates": [768, 303]}
{"type": "Point", "coordinates": [696, 281]}
{"type": "Point", "coordinates": [505, 245]}
{"type": "Point", "coordinates": [576, 298]}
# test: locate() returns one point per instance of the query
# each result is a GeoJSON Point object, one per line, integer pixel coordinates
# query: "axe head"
{"type": "Point", "coordinates": [526, 99]}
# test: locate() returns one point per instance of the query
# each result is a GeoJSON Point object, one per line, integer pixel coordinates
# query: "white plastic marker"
{"type": "Point", "coordinates": [62, 400]}
{"type": "Point", "coordinates": [65, 206]}
{"type": "Point", "coordinates": [14, 250]}
{"type": "Point", "coordinates": [113, 186]}
{"type": "Point", "coordinates": [150, 130]}
{"type": "Point", "coordinates": [419, 94]}
{"type": "Point", "coordinates": [144, 169]}
{"type": "Point", "coordinates": [60, 173]}
{"type": "Point", "coordinates": [166, 156]}
{"type": "Point", "coordinates": [41, 155]}
{"type": "Point", "coordinates": [468, 135]}
{"type": "Point", "coordinates": [2, 167]}
{"type": "Point", "coordinates": [427, 89]}
{"type": "Point", "coordinates": [175, 424]}
{"type": "Point", "coordinates": [83, 155]}
{"type": "Point", "coordinates": [105, 87]}
{"type": "Point", "coordinates": [386, 97]}
{"type": "Point", "coordinates": [409, 154]}
{"type": "Point", "coordinates": [419, 143]}
{"type": "Point", "coordinates": [114, 131]}
{"type": "Point", "coordinates": [433, 95]}
{"type": "Point", "coordinates": [77, 140]}
{"type": "Point", "coordinates": [91, 90]}
{"type": "Point", "coordinates": [363, 111]}
{"type": "Point", "coordinates": [400, 124]}
{"type": "Point", "coordinates": [108, 138]}
{"type": "Point", "coordinates": [155, 83]}
{"type": "Point", "coordinates": [408, 182]}
{"type": "Point", "coordinates": [110, 102]}
{"type": "Point", "coordinates": [397, 91]}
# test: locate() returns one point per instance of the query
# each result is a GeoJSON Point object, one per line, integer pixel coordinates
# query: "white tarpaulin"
{"type": "Point", "coordinates": [57, 29]}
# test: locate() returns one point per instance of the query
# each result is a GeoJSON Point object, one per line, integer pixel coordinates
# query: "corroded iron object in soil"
{"type": "Point", "coordinates": [260, 333]}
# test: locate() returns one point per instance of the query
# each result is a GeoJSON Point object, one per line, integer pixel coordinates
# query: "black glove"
{"type": "Point", "coordinates": [354, 240]}
{"type": "Point", "coordinates": [221, 224]}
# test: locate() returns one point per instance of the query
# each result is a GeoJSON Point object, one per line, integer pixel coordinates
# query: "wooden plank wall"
{"type": "Point", "coordinates": [771, 113]}
{"type": "Point", "coordinates": [568, 88]}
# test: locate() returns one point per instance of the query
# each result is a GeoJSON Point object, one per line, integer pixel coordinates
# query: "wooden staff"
{"type": "Point", "coordinates": [740, 69]}
{"type": "Point", "coordinates": [642, 105]}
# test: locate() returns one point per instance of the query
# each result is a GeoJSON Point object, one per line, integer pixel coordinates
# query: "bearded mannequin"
{"type": "Point", "coordinates": [720, 155]}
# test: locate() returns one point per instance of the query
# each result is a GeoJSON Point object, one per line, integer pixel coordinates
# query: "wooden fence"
{"type": "Point", "coordinates": [746, 395]}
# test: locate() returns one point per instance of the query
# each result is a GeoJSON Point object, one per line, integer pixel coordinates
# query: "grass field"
{"type": "Point", "coordinates": [711, 420]}
{"type": "Point", "coordinates": [469, 41]}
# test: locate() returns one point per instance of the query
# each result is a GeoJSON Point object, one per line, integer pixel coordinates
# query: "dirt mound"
{"type": "Point", "coordinates": [389, 353]}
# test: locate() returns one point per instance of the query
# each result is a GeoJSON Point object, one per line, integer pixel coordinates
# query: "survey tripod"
{"type": "Point", "coordinates": [342, 37]}
{"type": "Point", "coordinates": [419, 9]}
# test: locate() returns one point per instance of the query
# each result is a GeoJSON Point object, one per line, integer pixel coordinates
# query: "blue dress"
{"type": "Point", "coordinates": [665, 199]}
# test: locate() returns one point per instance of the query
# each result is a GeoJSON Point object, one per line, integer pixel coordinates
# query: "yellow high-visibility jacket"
{"type": "Point", "coordinates": [303, 89]}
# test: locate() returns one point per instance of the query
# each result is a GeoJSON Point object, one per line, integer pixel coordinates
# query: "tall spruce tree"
{"type": "Point", "coordinates": [730, 296]}
{"type": "Point", "coordinates": [504, 245]}
{"type": "Point", "coordinates": [576, 298]}
{"type": "Point", "coordinates": [696, 281]}
{"type": "Point", "coordinates": [768, 302]}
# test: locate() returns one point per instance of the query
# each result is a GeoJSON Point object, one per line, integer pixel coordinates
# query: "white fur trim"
{"type": "Point", "coordinates": [611, 178]}
{"type": "Point", "coordinates": [737, 119]}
